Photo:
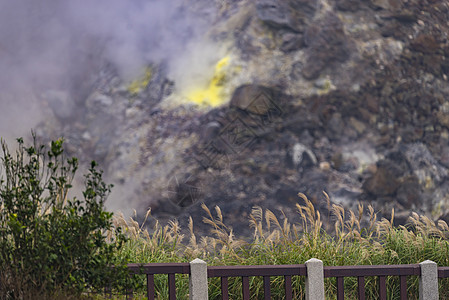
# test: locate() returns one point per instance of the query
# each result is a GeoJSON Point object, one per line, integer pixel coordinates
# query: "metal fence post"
{"type": "Point", "coordinates": [314, 279]}
{"type": "Point", "coordinates": [198, 280]}
{"type": "Point", "coordinates": [428, 281]}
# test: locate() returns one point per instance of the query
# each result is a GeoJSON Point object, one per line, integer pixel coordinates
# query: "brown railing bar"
{"type": "Point", "coordinates": [340, 288]}
{"type": "Point", "coordinates": [245, 287]}
{"type": "Point", "coordinates": [150, 286]}
{"type": "Point", "coordinates": [288, 287]}
{"type": "Point", "coordinates": [403, 286]}
{"type": "Point", "coordinates": [171, 286]}
{"type": "Point", "coordinates": [266, 287]}
{"type": "Point", "coordinates": [443, 272]}
{"type": "Point", "coordinates": [287, 271]}
{"type": "Point", "coordinates": [381, 270]}
{"type": "Point", "coordinates": [361, 287]}
{"type": "Point", "coordinates": [258, 270]}
{"type": "Point", "coordinates": [159, 268]}
{"type": "Point", "coordinates": [224, 288]}
{"type": "Point", "coordinates": [382, 288]}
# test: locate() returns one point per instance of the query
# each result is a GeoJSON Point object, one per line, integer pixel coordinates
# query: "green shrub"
{"type": "Point", "coordinates": [49, 243]}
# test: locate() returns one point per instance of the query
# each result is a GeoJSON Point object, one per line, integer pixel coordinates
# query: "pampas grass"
{"type": "Point", "coordinates": [357, 238]}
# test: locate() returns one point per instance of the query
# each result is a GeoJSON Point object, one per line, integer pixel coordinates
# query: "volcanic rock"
{"type": "Point", "coordinates": [385, 181]}
{"type": "Point", "coordinates": [302, 156]}
{"type": "Point", "coordinates": [277, 14]}
{"type": "Point", "coordinates": [292, 41]}
{"type": "Point", "coordinates": [409, 193]}
{"type": "Point", "coordinates": [348, 5]}
{"type": "Point", "coordinates": [347, 97]}
{"type": "Point", "coordinates": [327, 42]}
{"type": "Point", "coordinates": [387, 4]}
{"type": "Point", "coordinates": [255, 99]}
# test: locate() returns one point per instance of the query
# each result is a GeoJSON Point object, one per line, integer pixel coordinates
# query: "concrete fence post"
{"type": "Point", "coordinates": [198, 280]}
{"type": "Point", "coordinates": [314, 279]}
{"type": "Point", "coordinates": [428, 281]}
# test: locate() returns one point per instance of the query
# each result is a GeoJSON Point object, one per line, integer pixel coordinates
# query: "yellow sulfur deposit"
{"type": "Point", "coordinates": [212, 95]}
{"type": "Point", "coordinates": [141, 83]}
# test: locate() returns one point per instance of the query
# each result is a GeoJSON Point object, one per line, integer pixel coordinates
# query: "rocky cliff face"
{"type": "Point", "coordinates": [343, 96]}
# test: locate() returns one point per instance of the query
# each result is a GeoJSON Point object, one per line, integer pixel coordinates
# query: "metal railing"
{"type": "Point", "coordinates": [313, 272]}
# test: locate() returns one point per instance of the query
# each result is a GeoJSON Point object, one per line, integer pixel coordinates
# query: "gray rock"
{"type": "Point", "coordinates": [424, 165]}
{"type": "Point", "coordinates": [409, 194]}
{"type": "Point", "coordinates": [302, 156]}
{"type": "Point", "coordinates": [211, 131]}
{"type": "Point", "coordinates": [387, 4]}
{"type": "Point", "coordinates": [385, 181]}
{"type": "Point", "coordinates": [292, 41]}
{"type": "Point", "coordinates": [348, 5]}
{"type": "Point", "coordinates": [253, 98]}
{"type": "Point", "coordinates": [304, 7]}
{"type": "Point", "coordinates": [274, 13]}
{"type": "Point", "coordinates": [327, 43]}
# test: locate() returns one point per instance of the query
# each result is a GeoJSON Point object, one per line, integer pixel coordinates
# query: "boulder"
{"type": "Point", "coordinates": [425, 43]}
{"type": "Point", "coordinates": [253, 98]}
{"type": "Point", "coordinates": [424, 165]}
{"type": "Point", "coordinates": [385, 181]}
{"type": "Point", "coordinates": [409, 194]}
{"type": "Point", "coordinates": [274, 14]}
{"type": "Point", "coordinates": [285, 15]}
{"type": "Point", "coordinates": [302, 156]}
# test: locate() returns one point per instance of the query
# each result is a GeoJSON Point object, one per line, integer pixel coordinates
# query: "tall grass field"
{"type": "Point", "coordinates": [357, 238]}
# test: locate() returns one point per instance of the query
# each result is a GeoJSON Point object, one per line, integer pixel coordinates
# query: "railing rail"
{"type": "Point", "coordinates": [258, 270]}
{"type": "Point", "coordinates": [380, 271]}
{"type": "Point", "coordinates": [313, 271]}
{"type": "Point", "coordinates": [171, 269]}
{"type": "Point", "coordinates": [266, 271]}
{"type": "Point", "coordinates": [443, 272]}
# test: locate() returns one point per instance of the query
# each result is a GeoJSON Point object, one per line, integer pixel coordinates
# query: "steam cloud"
{"type": "Point", "coordinates": [58, 44]}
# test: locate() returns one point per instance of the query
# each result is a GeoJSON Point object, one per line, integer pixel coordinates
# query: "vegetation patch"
{"type": "Point", "coordinates": [50, 245]}
{"type": "Point", "coordinates": [357, 238]}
